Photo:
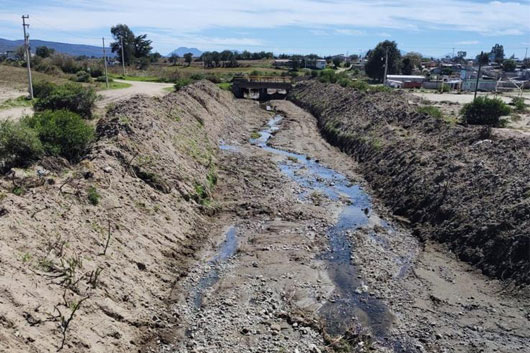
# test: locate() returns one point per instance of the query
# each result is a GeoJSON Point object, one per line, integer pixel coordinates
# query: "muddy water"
{"type": "Point", "coordinates": [351, 299]}
{"type": "Point", "coordinates": [225, 251]}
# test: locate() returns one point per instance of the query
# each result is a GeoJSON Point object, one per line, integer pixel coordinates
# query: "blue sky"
{"type": "Point", "coordinates": [432, 27]}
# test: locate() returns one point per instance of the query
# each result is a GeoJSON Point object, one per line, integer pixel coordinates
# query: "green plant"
{"type": "Point", "coordinates": [519, 104]}
{"type": "Point", "coordinates": [70, 96]}
{"type": "Point", "coordinates": [93, 196]}
{"type": "Point", "coordinates": [19, 145]}
{"type": "Point", "coordinates": [62, 133]}
{"type": "Point", "coordinates": [430, 110]}
{"type": "Point", "coordinates": [485, 111]}
{"type": "Point", "coordinates": [82, 76]}
{"type": "Point", "coordinates": [18, 190]}
{"type": "Point", "coordinates": [182, 83]}
{"type": "Point", "coordinates": [255, 135]}
{"type": "Point", "coordinates": [227, 86]}
{"type": "Point", "coordinates": [43, 88]}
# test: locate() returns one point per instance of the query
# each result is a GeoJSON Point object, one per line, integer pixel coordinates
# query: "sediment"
{"type": "Point", "coordinates": [464, 186]}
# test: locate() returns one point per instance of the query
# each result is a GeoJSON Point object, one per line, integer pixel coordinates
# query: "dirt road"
{"type": "Point", "coordinates": [151, 89]}
{"type": "Point", "coordinates": [304, 260]}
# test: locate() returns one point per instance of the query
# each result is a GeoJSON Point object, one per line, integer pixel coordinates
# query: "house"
{"type": "Point", "coordinates": [283, 63]}
{"type": "Point", "coordinates": [318, 64]}
{"type": "Point", "coordinates": [405, 81]}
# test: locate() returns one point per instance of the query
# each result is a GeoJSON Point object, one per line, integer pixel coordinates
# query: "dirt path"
{"type": "Point", "coordinates": [151, 89]}
{"type": "Point", "coordinates": [305, 261]}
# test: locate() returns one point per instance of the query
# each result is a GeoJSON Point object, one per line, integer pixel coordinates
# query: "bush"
{"type": "Point", "coordinates": [82, 76]}
{"type": "Point", "coordinates": [62, 133]}
{"type": "Point", "coordinates": [485, 111]}
{"type": "Point", "coordinates": [73, 97]}
{"type": "Point", "coordinates": [43, 88]}
{"type": "Point", "coordinates": [182, 83]}
{"type": "Point", "coordinates": [432, 111]}
{"type": "Point", "coordinates": [96, 72]}
{"type": "Point", "coordinates": [93, 196]}
{"type": "Point", "coordinates": [519, 104]}
{"type": "Point", "coordinates": [103, 79]}
{"type": "Point", "coordinates": [19, 145]}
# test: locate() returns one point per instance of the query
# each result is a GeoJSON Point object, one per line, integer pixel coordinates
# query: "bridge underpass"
{"type": "Point", "coordinates": [261, 87]}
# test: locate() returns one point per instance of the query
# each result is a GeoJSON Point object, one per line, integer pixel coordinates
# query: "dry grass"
{"type": "Point", "coordinates": [17, 77]}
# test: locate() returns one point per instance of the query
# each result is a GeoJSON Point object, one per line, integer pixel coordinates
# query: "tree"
{"type": "Point", "coordinates": [122, 34]}
{"type": "Point", "coordinates": [509, 65]}
{"type": "Point", "coordinates": [142, 46]}
{"type": "Point", "coordinates": [188, 58]}
{"type": "Point", "coordinates": [337, 60]}
{"type": "Point", "coordinates": [44, 51]}
{"type": "Point", "coordinates": [410, 62]}
{"type": "Point", "coordinates": [174, 58]}
{"type": "Point", "coordinates": [154, 57]}
{"type": "Point", "coordinates": [497, 53]}
{"type": "Point", "coordinates": [375, 66]}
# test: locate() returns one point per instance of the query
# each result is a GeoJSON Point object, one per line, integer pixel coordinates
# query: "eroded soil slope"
{"type": "Point", "coordinates": [463, 186]}
{"type": "Point", "coordinates": [89, 253]}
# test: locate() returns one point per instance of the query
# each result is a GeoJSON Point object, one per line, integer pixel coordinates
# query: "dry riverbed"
{"type": "Point", "coordinates": [303, 259]}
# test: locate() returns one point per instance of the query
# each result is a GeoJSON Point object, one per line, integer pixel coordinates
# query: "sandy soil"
{"type": "Point", "coordinates": [464, 97]}
{"type": "Point", "coordinates": [151, 89]}
{"type": "Point", "coordinates": [270, 295]}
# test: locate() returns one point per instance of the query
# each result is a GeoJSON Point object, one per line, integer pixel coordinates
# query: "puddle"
{"type": "Point", "coordinates": [225, 251]}
{"type": "Point", "coordinates": [350, 298]}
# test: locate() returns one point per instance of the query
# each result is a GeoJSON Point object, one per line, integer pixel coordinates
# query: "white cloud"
{"type": "Point", "coordinates": [174, 19]}
{"type": "Point", "coordinates": [468, 42]}
{"type": "Point", "coordinates": [350, 32]}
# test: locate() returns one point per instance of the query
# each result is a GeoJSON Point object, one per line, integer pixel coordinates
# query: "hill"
{"type": "Point", "coordinates": [66, 48]}
{"type": "Point", "coordinates": [183, 50]}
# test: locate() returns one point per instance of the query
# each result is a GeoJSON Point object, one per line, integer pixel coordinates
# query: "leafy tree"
{"type": "Point", "coordinates": [337, 60]}
{"type": "Point", "coordinates": [142, 46]}
{"type": "Point", "coordinates": [410, 62]}
{"type": "Point", "coordinates": [122, 34]}
{"type": "Point", "coordinates": [375, 66]}
{"type": "Point", "coordinates": [482, 58]}
{"type": "Point", "coordinates": [498, 53]}
{"type": "Point", "coordinates": [509, 65]}
{"type": "Point", "coordinates": [188, 58]}
{"type": "Point", "coordinates": [44, 51]}
{"type": "Point", "coordinates": [154, 57]}
{"type": "Point", "coordinates": [174, 58]}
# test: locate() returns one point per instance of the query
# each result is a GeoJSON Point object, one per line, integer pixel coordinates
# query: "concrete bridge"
{"type": "Point", "coordinates": [261, 87]}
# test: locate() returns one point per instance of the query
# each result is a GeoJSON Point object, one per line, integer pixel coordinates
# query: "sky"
{"type": "Point", "coordinates": [325, 27]}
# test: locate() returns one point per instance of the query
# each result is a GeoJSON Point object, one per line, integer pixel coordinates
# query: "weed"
{"type": "Point", "coordinates": [519, 104]}
{"type": "Point", "coordinates": [431, 110]}
{"type": "Point", "coordinates": [26, 257]}
{"type": "Point", "coordinates": [292, 159]}
{"type": "Point", "coordinates": [93, 196]}
{"type": "Point", "coordinates": [227, 86]}
{"type": "Point", "coordinates": [255, 135]}
{"type": "Point", "coordinates": [485, 111]}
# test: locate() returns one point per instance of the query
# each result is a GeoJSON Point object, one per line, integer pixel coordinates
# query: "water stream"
{"type": "Point", "coordinates": [351, 300]}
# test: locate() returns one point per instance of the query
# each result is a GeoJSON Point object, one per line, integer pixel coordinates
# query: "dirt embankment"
{"type": "Point", "coordinates": [89, 253]}
{"type": "Point", "coordinates": [459, 185]}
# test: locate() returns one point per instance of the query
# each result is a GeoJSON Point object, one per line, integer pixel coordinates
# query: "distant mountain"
{"type": "Point", "coordinates": [183, 50]}
{"type": "Point", "coordinates": [66, 48]}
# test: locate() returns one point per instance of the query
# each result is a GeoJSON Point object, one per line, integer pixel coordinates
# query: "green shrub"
{"type": "Point", "coordinates": [82, 76]}
{"type": "Point", "coordinates": [93, 196]}
{"type": "Point", "coordinates": [182, 83]}
{"type": "Point", "coordinates": [432, 111]}
{"type": "Point", "coordinates": [103, 79]}
{"type": "Point", "coordinates": [485, 111]}
{"type": "Point", "coordinates": [70, 96]}
{"type": "Point", "coordinates": [43, 88]}
{"type": "Point", "coordinates": [62, 133]}
{"type": "Point", "coordinates": [197, 77]}
{"type": "Point", "coordinates": [519, 104]}
{"type": "Point", "coordinates": [19, 145]}
{"type": "Point", "coordinates": [96, 71]}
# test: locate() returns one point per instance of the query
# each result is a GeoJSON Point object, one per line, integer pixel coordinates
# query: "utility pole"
{"type": "Point", "coordinates": [122, 56]}
{"type": "Point", "coordinates": [105, 63]}
{"type": "Point", "coordinates": [28, 55]}
{"type": "Point", "coordinates": [478, 73]}
{"type": "Point", "coordinates": [386, 66]}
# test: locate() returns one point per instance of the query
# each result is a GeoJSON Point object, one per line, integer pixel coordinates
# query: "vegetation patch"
{"type": "Point", "coordinates": [93, 196]}
{"type": "Point", "coordinates": [21, 101]}
{"type": "Point", "coordinates": [431, 110]}
{"type": "Point", "coordinates": [485, 111]}
{"type": "Point", "coordinates": [71, 96]}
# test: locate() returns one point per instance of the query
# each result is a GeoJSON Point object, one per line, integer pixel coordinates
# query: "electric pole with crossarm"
{"type": "Point", "coordinates": [28, 55]}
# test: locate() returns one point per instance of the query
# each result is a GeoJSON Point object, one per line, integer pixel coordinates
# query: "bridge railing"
{"type": "Point", "coordinates": [272, 79]}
